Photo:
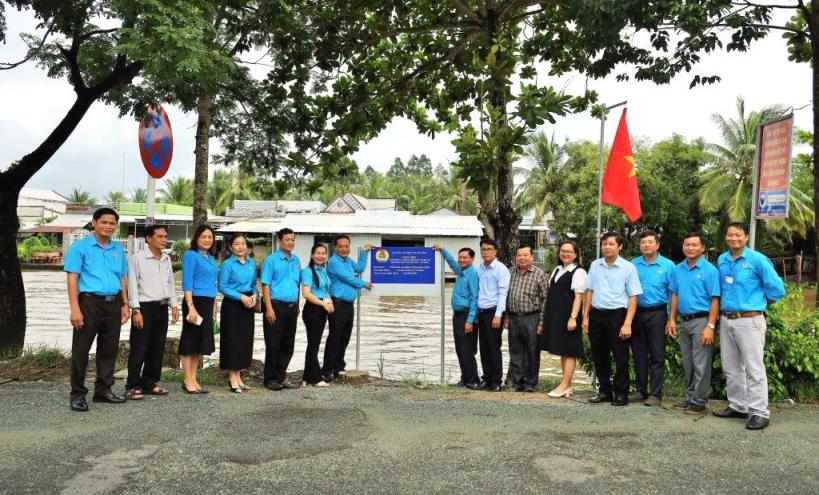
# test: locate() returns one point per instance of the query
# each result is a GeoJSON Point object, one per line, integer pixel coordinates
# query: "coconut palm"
{"type": "Point", "coordinates": [80, 197]}
{"type": "Point", "coordinates": [139, 195]}
{"type": "Point", "coordinates": [454, 194]}
{"type": "Point", "coordinates": [114, 198]}
{"type": "Point", "coordinates": [540, 181]}
{"type": "Point", "coordinates": [727, 182]}
{"type": "Point", "coordinates": [177, 190]}
{"type": "Point", "coordinates": [241, 185]}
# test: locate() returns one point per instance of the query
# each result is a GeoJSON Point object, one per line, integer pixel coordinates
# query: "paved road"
{"type": "Point", "coordinates": [372, 439]}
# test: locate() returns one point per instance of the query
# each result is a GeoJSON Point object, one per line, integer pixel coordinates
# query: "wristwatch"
{"type": "Point", "coordinates": [135, 310]}
{"type": "Point", "coordinates": [711, 326]}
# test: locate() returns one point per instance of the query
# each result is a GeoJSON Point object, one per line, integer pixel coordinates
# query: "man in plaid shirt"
{"type": "Point", "coordinates": [525, 306]}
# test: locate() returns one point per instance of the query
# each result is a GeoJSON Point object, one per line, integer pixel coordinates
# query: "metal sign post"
{"type": "Point", "coordinates": [358, 321]}
{"type": "Point", "coordinates": [443, 315]}
{"type": "Point", "coordinates": [150, 202]}
{"type": "Point", "coordinates": [600, 175]}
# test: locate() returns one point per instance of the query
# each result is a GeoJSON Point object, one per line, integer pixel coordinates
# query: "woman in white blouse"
{"type": "Point", "coordinates": [562, 335]}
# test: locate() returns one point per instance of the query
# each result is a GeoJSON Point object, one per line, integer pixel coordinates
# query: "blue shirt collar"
{"type": "Point", "coordinates": [642, 260]}
{"type": "Point", "coordinates": [94, 241]}
{"type": "Point", "coordinates": [282, 256]}
{"type": "Point", "coordinates": [618, 262]}
{"type": "Point", "coordinates": [491, 265]}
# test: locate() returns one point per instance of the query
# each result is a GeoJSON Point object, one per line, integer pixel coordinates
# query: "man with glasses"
{"type": "Point", "coordinates": [493, 287]}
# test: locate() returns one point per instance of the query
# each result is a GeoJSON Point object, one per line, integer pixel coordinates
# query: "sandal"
{"type": "Point", "coordinates": [134, 394]}
{"type": "Point", "coordinates": [156, 391]}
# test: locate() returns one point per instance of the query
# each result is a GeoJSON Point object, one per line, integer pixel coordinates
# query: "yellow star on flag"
{"type": "Point", "coordinates": [630, 159]}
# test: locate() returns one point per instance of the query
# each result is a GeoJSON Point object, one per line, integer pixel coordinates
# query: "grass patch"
{"type": "Point", "coordinates": [204, 377]}
{"type": "Point", "coordinates": [41, 356]}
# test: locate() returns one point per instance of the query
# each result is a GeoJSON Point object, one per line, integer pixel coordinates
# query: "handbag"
{"type": "Point", "coordinates": [259, 308]}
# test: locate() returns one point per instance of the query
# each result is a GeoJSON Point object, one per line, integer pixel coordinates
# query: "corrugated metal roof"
{"type": "Point", "coordinates": [365, 222]}
{"type": "Point", "coordinates": [351, 202]}
{"type": "Point", "coordinates": [42, 194]}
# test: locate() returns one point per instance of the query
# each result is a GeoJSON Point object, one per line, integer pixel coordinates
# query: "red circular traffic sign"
{"type": "Point", "coordinates": [156, 142]}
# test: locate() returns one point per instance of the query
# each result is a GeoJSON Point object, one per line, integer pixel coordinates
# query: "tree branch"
{"type": "Point", "coordinates": [74, 73]}
{"type": "Point", "coordinates": [773, 6]}
{"type": "Point", "coordinates": [464, 9]}
{"type": "Point", "coordinates": [507, 10]}
{"type": "Point", "coordinates": [31, 53]}
{"type": "Point", "coordinates": [95, 32]}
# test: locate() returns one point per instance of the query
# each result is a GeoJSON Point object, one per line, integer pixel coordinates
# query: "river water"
{"type": "Point", "coordinates": [400, 336]}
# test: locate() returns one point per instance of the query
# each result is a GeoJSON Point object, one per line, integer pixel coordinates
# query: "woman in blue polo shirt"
{"type": "Point", "coordinates": [315, 287]}
{"type": "Point", "coordinates": [199, 273]}
{"type": "Point", "coordinates": [237, 282]}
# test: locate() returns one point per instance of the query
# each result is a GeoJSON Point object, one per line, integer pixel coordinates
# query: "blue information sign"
{"type": "Point", "coordinates": [402, 265]}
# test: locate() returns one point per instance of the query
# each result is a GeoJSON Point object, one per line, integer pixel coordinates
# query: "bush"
{"type": "Point", "coordinates": [791, 354]}
{"type": "Point", "coordinates": [34, 244]}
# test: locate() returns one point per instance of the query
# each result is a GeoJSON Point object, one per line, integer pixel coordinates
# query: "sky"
{"type": "Point", "coordinates": [102, 154]}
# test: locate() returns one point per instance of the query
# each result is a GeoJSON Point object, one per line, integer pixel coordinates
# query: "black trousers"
{"type": "Point", "coordinates": [524, 353]}
{"type": "Point", "coordinates": [466, 346]}
{"type": "Point", "coordinates": [147, 347]}
{"type": "Point", "coordinates": [315, 318]}
{"type": "Point", "coordinates": [279, 341]}
{"type": "Point", "coordinates": [341, 328]}
{"type": "Point", "coordinates": [490, 339]}
{"type": "Point", "coordinates": [648, 348]}
{"type": "Point", "coordinates": [101, 320]}
{"type": "Point", "coordinates": [604, 331]}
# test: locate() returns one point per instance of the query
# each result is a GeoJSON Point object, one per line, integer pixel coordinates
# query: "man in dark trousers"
{"type": "Point", "coordinates": [281, 274]}
{"type": "Point", "coordinates": [648, 335]}
{"type": "Point", "coordinates": [493, 287]}
{"type": "Point", "coordinates": [608, 311]}
{"type": "Point", "coordinates": [464, 313]}
{"type": "Point", "coordinates": [525, 306]}
{"type": "Point", "coordinates": [153, 292]}
{"type": "Point", "coordinates": [344, 287]}
{"type": "Point", "coordinates": [98, 297]}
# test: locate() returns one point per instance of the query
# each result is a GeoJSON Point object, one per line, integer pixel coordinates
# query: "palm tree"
{"type": "Point", "coordinates": [454, 194]}
{"type": "Point", "coordinates": [80, 197]}
{"type": "Point", "coordinates": [114, 198]}
{"type": "Point", "coordinates": [540, 181]}
{"type": "Point", "coordinates": [728, 182]}
{"type": "Point", "coordinates": [230, 185]}
{"type": "Point", "coordinates": [139, 195]}
{"type": "Point", "coordinates": [177, 190]}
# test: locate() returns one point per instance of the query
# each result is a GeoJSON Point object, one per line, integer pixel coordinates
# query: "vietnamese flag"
{"type": "Point", "coordinates": [620, 179]}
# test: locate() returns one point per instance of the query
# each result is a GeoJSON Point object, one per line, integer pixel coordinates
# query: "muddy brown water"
{"type": "Point", "coordinates": [400, 336]}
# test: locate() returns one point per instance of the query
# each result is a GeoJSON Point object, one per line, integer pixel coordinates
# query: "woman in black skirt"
{"type": "Point", "coordinates": [562, 335]}
{"type": "Point", "coordinates": [237, 282]}
{"type": "Point", "coordinates": [315, 287]}
{"type": "Point", "coordinates": [199, 273]}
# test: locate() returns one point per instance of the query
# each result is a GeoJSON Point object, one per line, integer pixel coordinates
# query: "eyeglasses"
{"type": "Point", "coordinates": [488, 249]}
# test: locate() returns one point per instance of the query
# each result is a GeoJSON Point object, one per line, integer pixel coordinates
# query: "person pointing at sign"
{"type": "Point", "coordinates": [343, 290]}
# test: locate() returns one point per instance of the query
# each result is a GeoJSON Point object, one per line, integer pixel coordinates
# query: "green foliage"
{"type": "Point", "coordinates": [80, 197]}
{"type": "Point", "coordinates": [34, 244]}
{"type": "Point", "coordinates": [178, 191]}
{"type": "Point", "coordinates": [204, 377]}
{"type": "Point", "coordinates": [138, 195]}
{"type": "Point", "coordinates": [179, 247]}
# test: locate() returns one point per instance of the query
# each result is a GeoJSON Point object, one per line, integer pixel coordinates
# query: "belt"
{"type": "Point", "coordinates": [651, 309]}
{"type": "Point", "coordinates": [607, 311]}
{"type": "Point", "coordinates": [741, 314]}
{"type": "Point", "coordinates": [530, 313]}
{"type": "Point", "coordinates": [91, 295]}
{"type": "Point", "coordinates": [487, 310]}
{"type": "Point", "coordinates": [161, 302]}
{"type": "Point", "coordinates": [701, 314]}
{"type": "Point", "coordinates": [284, 303]}
{"type": "Point", "coordinates": [337, 300]}
{"type": "Point", "coordinates": [460, 311]}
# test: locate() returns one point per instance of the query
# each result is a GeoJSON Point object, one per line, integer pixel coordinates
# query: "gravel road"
{"type": "Point", "coordinates": [372, 439]}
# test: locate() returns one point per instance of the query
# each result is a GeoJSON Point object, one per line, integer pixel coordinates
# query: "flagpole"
{"type": "Point", "coordinates": [600, 174]}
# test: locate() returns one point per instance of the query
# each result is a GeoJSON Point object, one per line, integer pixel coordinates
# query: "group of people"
{"type": "Point", "coordinates": [105, 290]}
{"type": "Point", "coordinates": [625, 308]}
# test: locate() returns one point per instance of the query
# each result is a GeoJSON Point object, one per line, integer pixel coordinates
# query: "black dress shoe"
{"type": "Point", "coordinates": [729, 413]}
{"type": "Point", "coordinates": [188, 391]}
{"type": "Point", "coordinates": [472, 386]}
{"type": "Point", "coordinates": [600, 399]}
{"type": "Point", "coordinates": [460, 384]}
{"type": "Point", "coordinates": [484, 385]}
{"type": "Point", "coordinates": [274, 385]}
{"type": "Point", "coordinates": [328, 378]}
{"type": "Point", "coordinates": [79, 405]}
{"type": "Point", "coordinates": [518, 388]}
{"type": "Point", "coordinates": [757, 423]}
{"type": "Point", "coordinates": [286, 384]}
{"type": "Point", "coordinates": [528, 388]}
{"type": "Point", "coordinates": [494, 388]}
{"type": "Point", "coordinates": [109, 397]}
{"type": "Point", "coordinates": [620, 400]}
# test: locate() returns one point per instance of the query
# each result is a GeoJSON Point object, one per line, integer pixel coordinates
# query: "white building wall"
{"type": "Point", "coordinates": [455, 244]}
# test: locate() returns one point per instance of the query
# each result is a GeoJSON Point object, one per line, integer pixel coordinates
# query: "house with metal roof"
{"type": "Point", "coordinates": [34, 205]}
{"type": "Point", "coordinates": [351, 202]}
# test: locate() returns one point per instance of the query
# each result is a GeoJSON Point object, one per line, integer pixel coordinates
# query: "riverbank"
{"type": "Point", "coordinates": [387, 438]}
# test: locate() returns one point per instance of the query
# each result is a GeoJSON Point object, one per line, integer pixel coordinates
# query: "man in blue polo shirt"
{"type": "Point", "coordinates": [748, 283]}
{"type": "Point", "coordinates": [695, 299]}
{"type": "Point", "coordinates": [464, 313]}
{"type": "Point", "coordinates": [344, 286]}
{"type": "Point", "coordinates": [98, 297]}
{"type": "Point", "coordinates": [608, 311]}
{"type": "Point", "coordinates": [648, 335]}
{"type": "Point", "coordinates": [280, 278]}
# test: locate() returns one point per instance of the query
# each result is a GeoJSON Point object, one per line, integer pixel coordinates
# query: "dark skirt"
{"type": "Point", "coordinates": [197, 340]}
{"type": "Point", "coordinates": [235, 335]}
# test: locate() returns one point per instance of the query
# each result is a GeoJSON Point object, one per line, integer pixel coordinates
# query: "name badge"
{"type": "Point", "coordinates": [729, 280]}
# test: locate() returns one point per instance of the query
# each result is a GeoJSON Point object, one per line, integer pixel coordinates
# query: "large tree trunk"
{"type": "Point", "coordinates": [200, 173]}
{"type": "Point", "coordinates": [12, 180]}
